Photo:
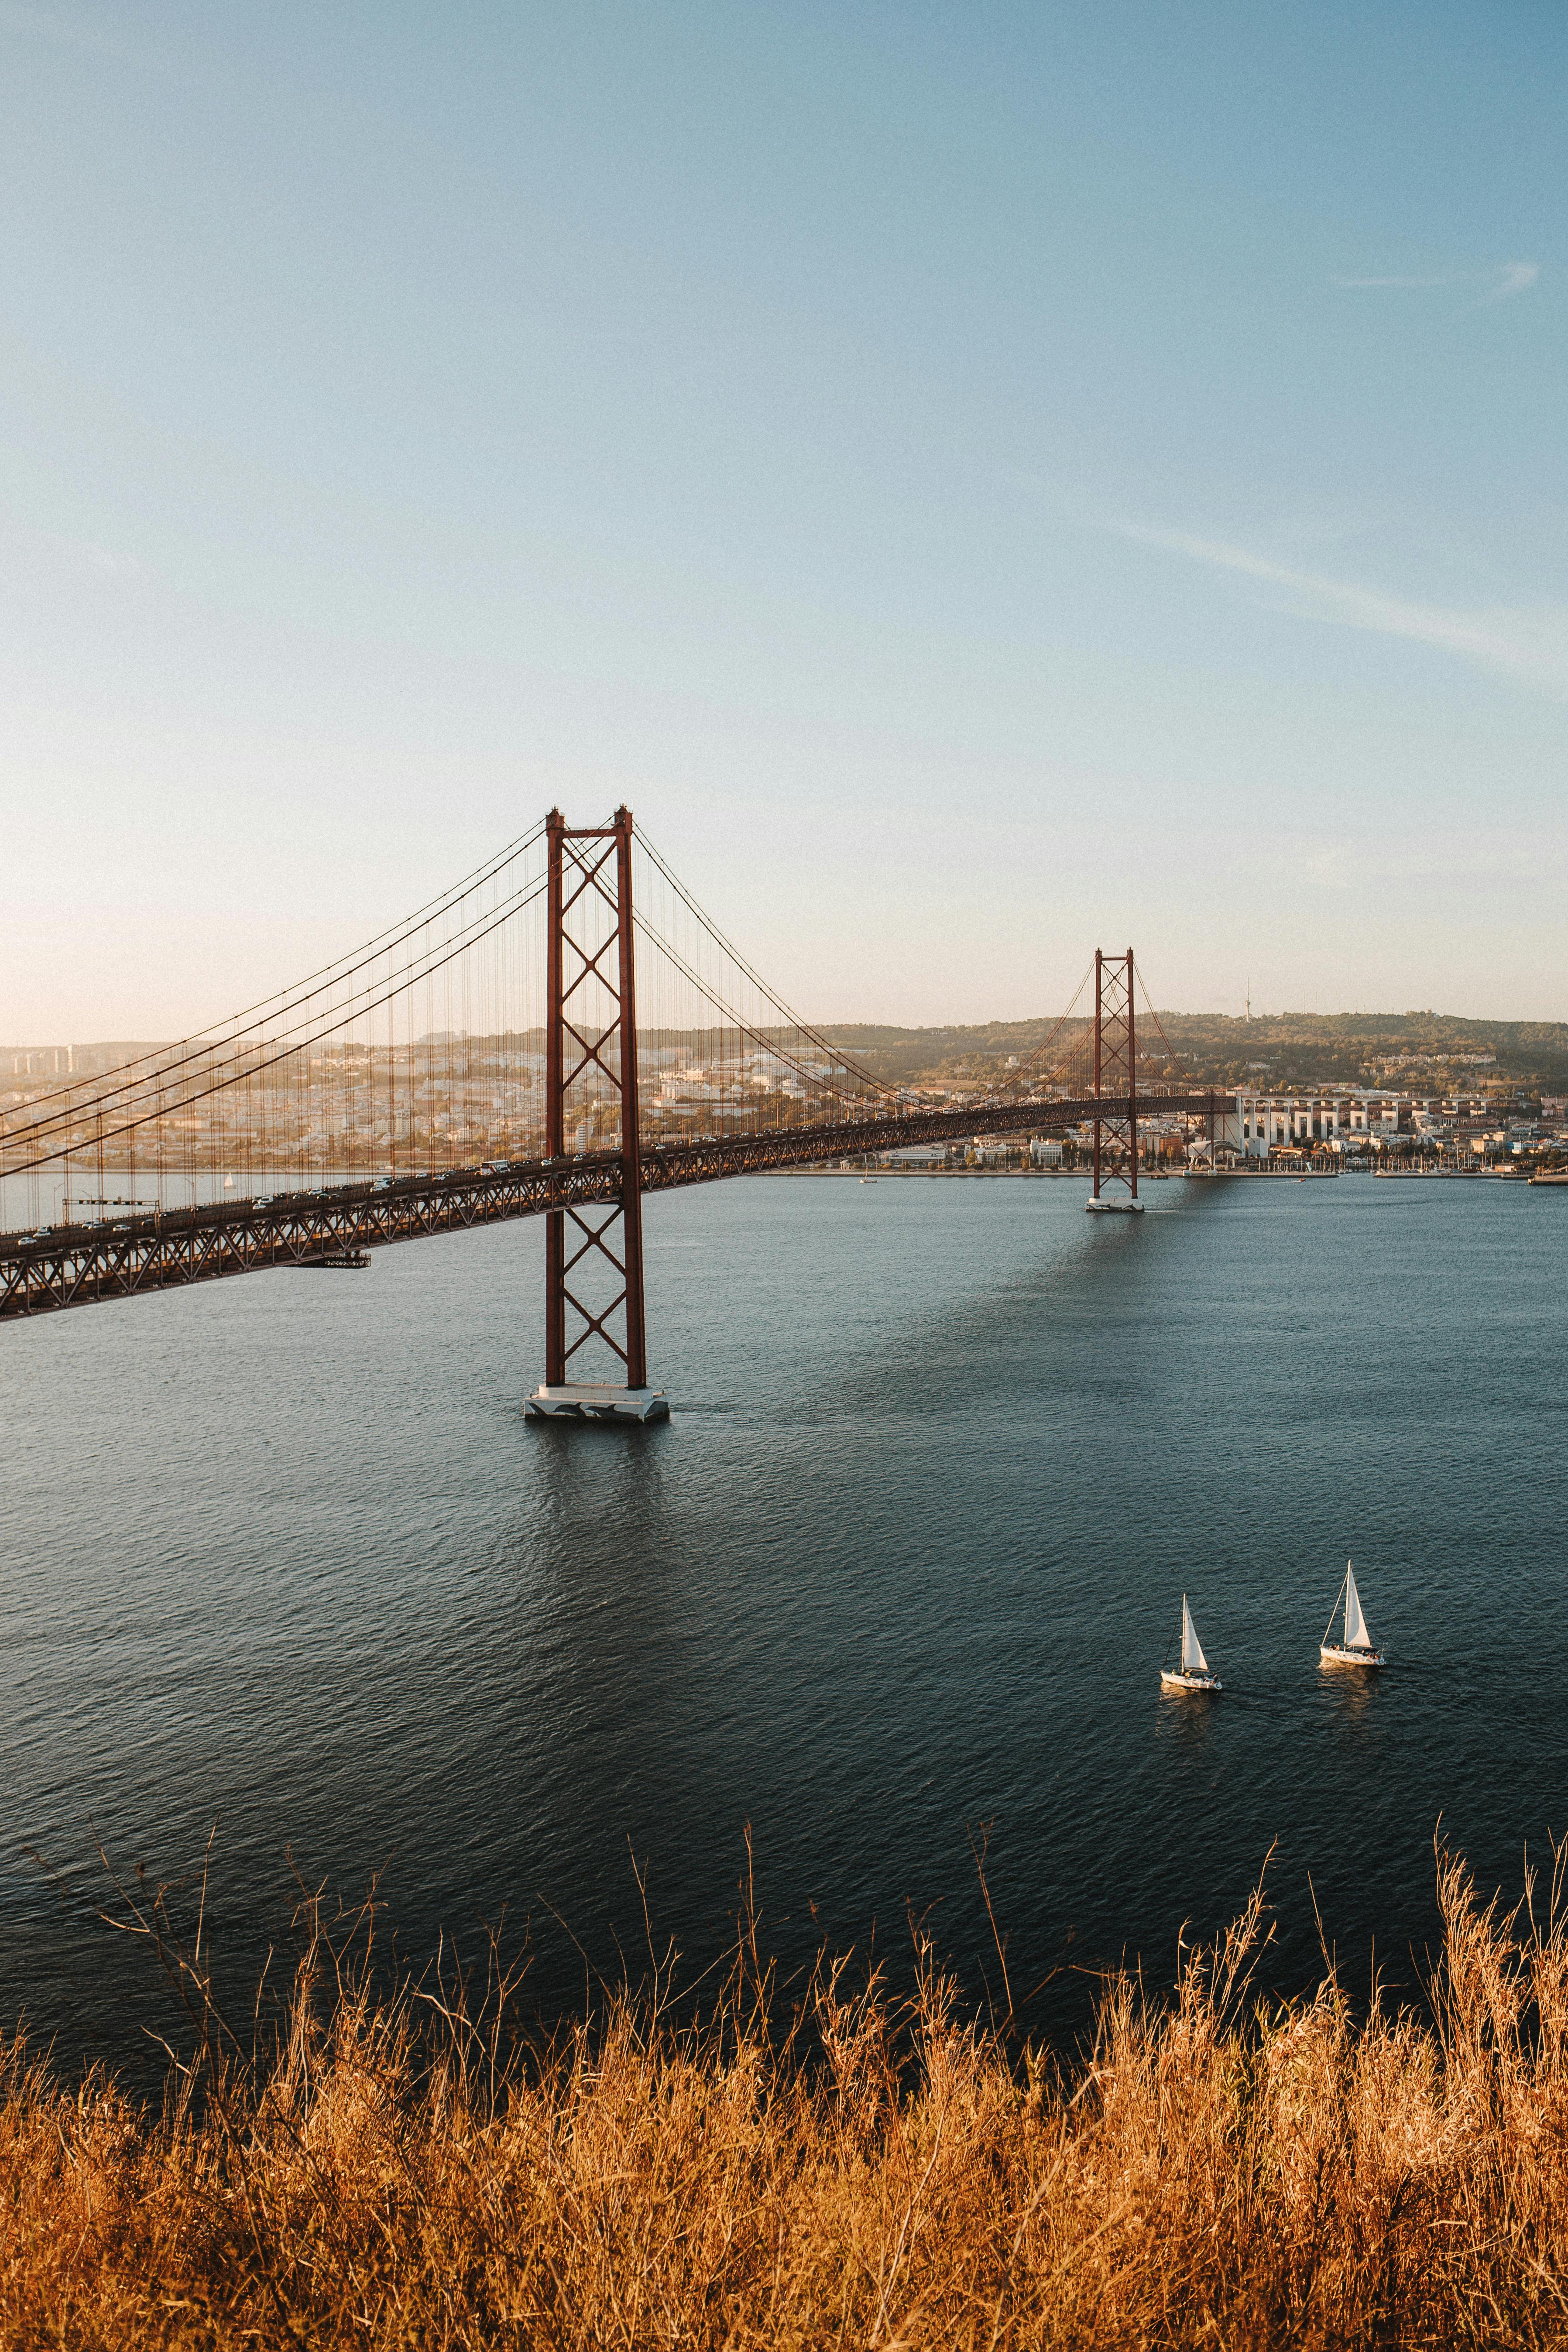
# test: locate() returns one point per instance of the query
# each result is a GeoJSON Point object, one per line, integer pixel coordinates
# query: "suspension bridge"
{"type": "Point", "coordinates": [561, 1034]}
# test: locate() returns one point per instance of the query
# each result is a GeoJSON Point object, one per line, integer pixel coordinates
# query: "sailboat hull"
{"type": "Point", "coordinates": [1171, 1680]}
{"type": "Point", "coordinates": [1332, 1654]}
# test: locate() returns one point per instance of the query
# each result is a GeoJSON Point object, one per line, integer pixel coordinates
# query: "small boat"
{"type": "Point", "coordinates": [1356, 1649]}
{"type": "Point", "coordinates": [1192, 1673]}
{"type": "Point", "coordinates": [868, 1179]}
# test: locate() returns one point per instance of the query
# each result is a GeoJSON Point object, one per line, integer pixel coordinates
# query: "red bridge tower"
{"type": "Point", "coordinates": [591, 1076]}
{"type": "Point", "coordinates": [1115, 1074]}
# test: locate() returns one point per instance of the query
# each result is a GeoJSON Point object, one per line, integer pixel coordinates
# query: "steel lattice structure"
{"type": "Point", "coordinates": [788, 1097]}
{"type": "Point", "coordinates": [80, 1264]}
{"type": "Point", "coordinates": [590, 889]}
{"type": "Point", "coordinates": [1115, 1073]}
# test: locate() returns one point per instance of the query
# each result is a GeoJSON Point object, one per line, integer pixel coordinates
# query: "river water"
{"type": "Point", "coordinates": [283, 1555]}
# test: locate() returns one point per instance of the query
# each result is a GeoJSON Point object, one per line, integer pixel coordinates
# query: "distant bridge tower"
{"type": "Point", "coordinates": [1115, 1074]}
{"type": "Point", "coordinates": [591, 1044]}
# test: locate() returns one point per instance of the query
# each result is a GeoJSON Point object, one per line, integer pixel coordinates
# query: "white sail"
{"type": "Point", "coordinates": [1193, 1659]}
{"type": "Point", "coordinates": [1357, 1636]}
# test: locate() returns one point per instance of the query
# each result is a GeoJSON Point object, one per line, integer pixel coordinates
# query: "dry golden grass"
{"type": "Point", "coordinates": [869, 2173]}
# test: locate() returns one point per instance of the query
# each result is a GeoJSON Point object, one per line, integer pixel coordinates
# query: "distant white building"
{"type": "Point", "coordinates": [1287, 1122]}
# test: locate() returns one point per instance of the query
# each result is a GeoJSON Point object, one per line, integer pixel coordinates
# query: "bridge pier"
{"type": "Point", "coordinates": [596, 1400]}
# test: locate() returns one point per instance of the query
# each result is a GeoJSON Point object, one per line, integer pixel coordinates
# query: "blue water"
{"type": "Point", "coordinates": [282, 1554]}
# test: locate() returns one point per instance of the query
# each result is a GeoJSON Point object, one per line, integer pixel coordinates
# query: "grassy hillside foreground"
{"type": "Point", "coordinates": [865, 2173]}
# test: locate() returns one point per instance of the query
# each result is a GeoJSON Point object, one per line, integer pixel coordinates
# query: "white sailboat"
{"type": "Point", "coordinates": [1192, 1673]}
{"type": "Point", "coordinates": [1355, 1649]}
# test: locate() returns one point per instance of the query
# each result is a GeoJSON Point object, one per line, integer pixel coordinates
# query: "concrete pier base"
{"type": "Point", "coordinates": [1114, 1208]}
{"type": "Point", "coordinates": [596, 1400]}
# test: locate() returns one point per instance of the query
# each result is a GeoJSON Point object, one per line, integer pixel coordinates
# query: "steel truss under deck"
{"type": "Point", "coordinates": [76, 1266]}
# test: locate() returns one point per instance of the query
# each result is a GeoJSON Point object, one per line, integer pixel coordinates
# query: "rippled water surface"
{"type": "Point", "coordinates": [283, 1554]}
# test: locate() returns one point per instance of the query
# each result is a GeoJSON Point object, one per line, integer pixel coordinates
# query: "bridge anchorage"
{"type": "Point", "coordinates": [559, 1034]}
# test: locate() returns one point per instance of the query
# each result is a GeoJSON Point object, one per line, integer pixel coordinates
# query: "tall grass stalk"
{"type": "Point", "coordinates": [852, 2168]}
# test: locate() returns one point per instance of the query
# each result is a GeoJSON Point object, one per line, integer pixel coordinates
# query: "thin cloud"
{"type": "Point", "coordinates": [1518, 277]}
{"type": "Point", "coordinates": [1392, 281]}
{"type": "Point", "coordinates": [1507, 278]}
{"type": "Point", "coordinates": [1526, 643]}
{"type": "Point", "coordinates": [113, 564]}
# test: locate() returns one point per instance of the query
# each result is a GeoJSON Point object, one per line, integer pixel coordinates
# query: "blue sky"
{"type": "Point", "coordinates": [982, 482]}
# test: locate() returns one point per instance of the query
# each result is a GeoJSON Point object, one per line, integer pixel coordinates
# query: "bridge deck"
{"type": "Point", "coordinates": [76, 1266]}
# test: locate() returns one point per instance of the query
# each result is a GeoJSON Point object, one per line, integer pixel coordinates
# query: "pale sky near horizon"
{"type": "Point", "coordinates": [980, 482]}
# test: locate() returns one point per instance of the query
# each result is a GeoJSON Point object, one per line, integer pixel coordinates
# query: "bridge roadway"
{"type": "Point", "coordinates": [74, 1265]}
